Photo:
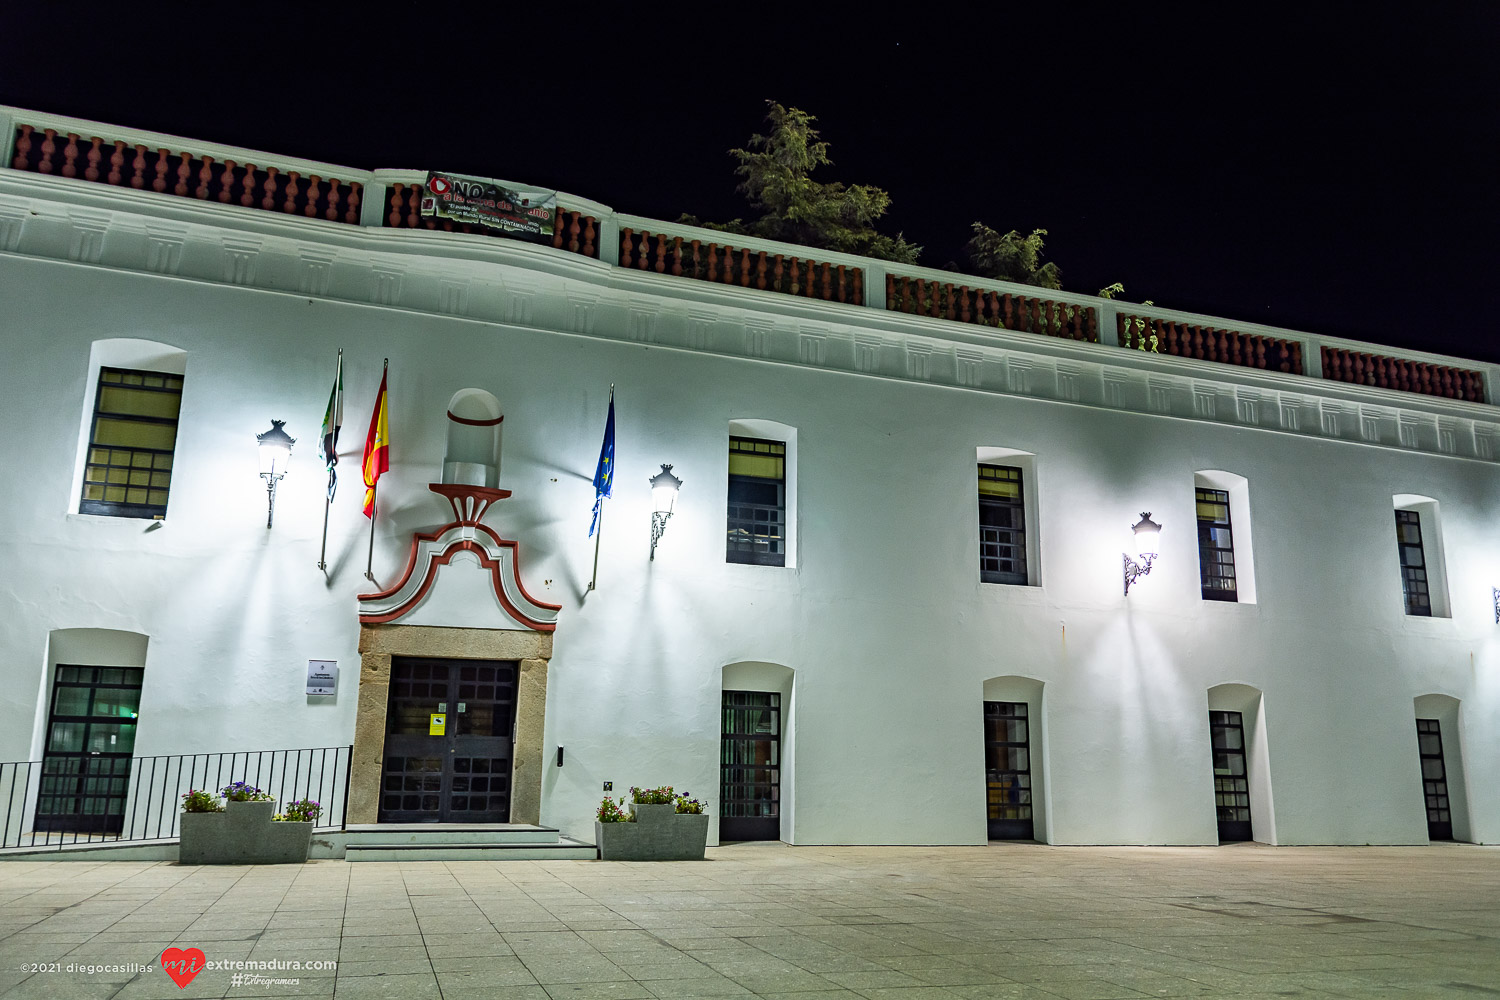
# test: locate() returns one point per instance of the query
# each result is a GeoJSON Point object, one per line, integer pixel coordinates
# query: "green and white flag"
{"type": "Point", "coordinates": [332, 420]}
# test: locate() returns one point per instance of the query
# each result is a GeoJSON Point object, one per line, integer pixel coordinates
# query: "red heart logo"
{"type": "Point", "coordinates": [182, 966]}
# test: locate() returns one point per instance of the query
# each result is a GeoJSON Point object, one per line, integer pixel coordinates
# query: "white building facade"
{"type": "Point", "coordinates": [946, 638]}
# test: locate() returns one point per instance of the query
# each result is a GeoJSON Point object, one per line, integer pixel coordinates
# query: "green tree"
{"type": "Point", "coordinates": [775, 176]}
{"type": "Point", "coordinates": [1012, 257]}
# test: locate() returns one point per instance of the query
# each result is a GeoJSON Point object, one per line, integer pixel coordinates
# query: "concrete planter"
{"type": "Point", "coordinates": [243, 834]}
{"type": "Point", "coordinates": [659, 833]}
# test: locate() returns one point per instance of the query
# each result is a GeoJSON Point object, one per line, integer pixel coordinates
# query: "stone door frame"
{"type": "Point", "coordinates": [379, 643]}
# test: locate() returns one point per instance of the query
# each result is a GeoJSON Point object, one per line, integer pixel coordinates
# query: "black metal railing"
{"type": "Point", "coordinates": [41, 808]}
{"type": "Point", "coordinates": [757, 534]}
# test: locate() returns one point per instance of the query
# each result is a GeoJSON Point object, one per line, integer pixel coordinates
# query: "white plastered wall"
{"type": "Point", "coordinates": [882, 617]}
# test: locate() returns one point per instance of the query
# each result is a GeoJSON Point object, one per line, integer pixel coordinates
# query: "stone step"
{"type": "Point", "coordinates": [559, 849]}
{"type": "Point", "coordinates": [449, 834]}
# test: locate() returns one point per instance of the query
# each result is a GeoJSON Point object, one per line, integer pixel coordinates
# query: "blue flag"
{"type": "Point", "coordinates": [604, 475]}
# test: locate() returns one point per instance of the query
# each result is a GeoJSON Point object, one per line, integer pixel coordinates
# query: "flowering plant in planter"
{"type": "Point", "coordinates": [653, 796]}
{"type": "Point", "coordinates": [300, 811]}
{"type": "Point", "coordinates": [199, 801]}
{"type": "Point", "coordinates": [612, 812]}
{"type": "Point", "coordinates": [243, 791]}
{"type": "Point", "coordinates": [660, 825]}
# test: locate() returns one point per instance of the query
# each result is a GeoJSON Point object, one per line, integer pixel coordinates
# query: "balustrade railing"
{"type": "Point", "coordinates": [986, 307]}
{"type": "Point", "coordinates": [185, 174]}
{"type": "Point", "coordinates": [727, 264]}
{"type": "Point", "coordinates": [1388, 372]}
{"type": "Point", "coordinates": [109, 155]}
{"type": "Point", "coordinates": [1229, 347]}
{"type": "Point", "coordinates": [43, 806]}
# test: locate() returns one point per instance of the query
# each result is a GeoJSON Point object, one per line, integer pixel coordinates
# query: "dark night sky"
{"type": "Point", "coordinates": [1327, 171]}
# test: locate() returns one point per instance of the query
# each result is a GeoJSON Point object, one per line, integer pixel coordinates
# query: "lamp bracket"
{"type": "Point", "coordinates": [1135, 570]}
{"type": "Point", "coordinates": [658, 528]}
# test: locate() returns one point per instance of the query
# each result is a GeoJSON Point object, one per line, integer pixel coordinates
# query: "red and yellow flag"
{"type": "Point", "coordinates": [377, 450]}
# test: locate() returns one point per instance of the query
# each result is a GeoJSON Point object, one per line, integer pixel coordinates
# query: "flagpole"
{"type": "Point", "coordinates": [370, 559]}
{"type": "Point", "coordinates": [599, 527]}
{"type": "Point", "coordinates": [338, 385]}
{"type": "Point", "coordinates": [375, 499]}
{"type": "Point", "coordinates": [598, 533]}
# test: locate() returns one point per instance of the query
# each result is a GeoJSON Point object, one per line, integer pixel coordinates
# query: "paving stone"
{"type": "Point", "coordinates": [1004, 922]}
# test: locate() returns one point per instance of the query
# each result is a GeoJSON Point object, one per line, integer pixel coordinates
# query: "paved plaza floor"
{"type": "Point", "coordinates": [1002, 922]}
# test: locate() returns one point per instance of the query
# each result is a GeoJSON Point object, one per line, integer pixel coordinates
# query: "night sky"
{"type": "Point", "coordinates": [1331, 172]}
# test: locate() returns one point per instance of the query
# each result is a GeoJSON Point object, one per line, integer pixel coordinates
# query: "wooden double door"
{"type": "Point", "coordinates": [449, 742]}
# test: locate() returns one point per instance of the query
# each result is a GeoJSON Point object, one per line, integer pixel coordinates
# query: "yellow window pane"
{"type": "Point", "coordinates": [99, 455]}
{"type": "Point", "coordinates": [999, 488]}
{"type": "Point", "coordinates": [161, 479]}
{"type": "Point", "coordinates": [117, 475]}
{"type": "Point", "coordinates": [131, 378]}
{"type": "Point", "coordinates": [115, 494]}
{"type": "Point", "coordinates": [159, 498]}
{"type": "Point", "coordinates": [94, 473]}
{"type": "Point", "coordinates": [109, 376]}
{"type": "Point", "coordinates": [135, 496]}
{"type": "Point", "coordinates": [134, 433]}
{"type": "Point", "coordinates": [162, 462]}
{"type": "Point", "coordinates": [93, 492]}
{"type": "Point", "coordinates": [138, 403]}
{"type": "Point", "coordinates": [764, 466]}
{"type": "Point", "coordinates": [140, 478]}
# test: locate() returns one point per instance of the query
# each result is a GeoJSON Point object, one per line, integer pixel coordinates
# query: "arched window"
{"type": "Point", "coordinates": [1419, 547]}
{"type": "Point", "coordinates": [762, 509]}
{"type": "Point", "coordinates": [1008, 536]}
{"type": "Point", "coordinates": [128, 438]}
{"type": "Point", "coordinates": [1226, 559]}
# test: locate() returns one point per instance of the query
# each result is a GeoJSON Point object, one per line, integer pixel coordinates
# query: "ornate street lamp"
{"type": "Point", "coordinates": [664, 487]}
{"type": "Point", "coordinates": [275, 455]}
{"type": "Point", "coordinates": [1147, 533]}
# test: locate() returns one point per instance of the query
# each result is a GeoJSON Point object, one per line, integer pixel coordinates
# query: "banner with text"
{"type": "Point", "coordinates": [484, 203]}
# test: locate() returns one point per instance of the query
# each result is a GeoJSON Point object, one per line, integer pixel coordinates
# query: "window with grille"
{"type": "Point", "coordinates": [1413, 563]}
{"type": "Point", "coordinates": [134, 429]}
{"type": "Point", "coordinates": [1216, 546]}
{"type": "Point", "coordinates": [1002, 525]}
{"type": "Point", "coordinates": [757, 502]}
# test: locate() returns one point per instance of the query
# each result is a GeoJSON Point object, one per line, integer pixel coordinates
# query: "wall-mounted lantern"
{"type": "Point", "coordinates": [275, 455]}
{"type": "Point", "coordinates": [664, 487]}
{"type": "Point", "coordinates": [1147, 533]}
{"type": "Point", "coordinates": [1495, 593]}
